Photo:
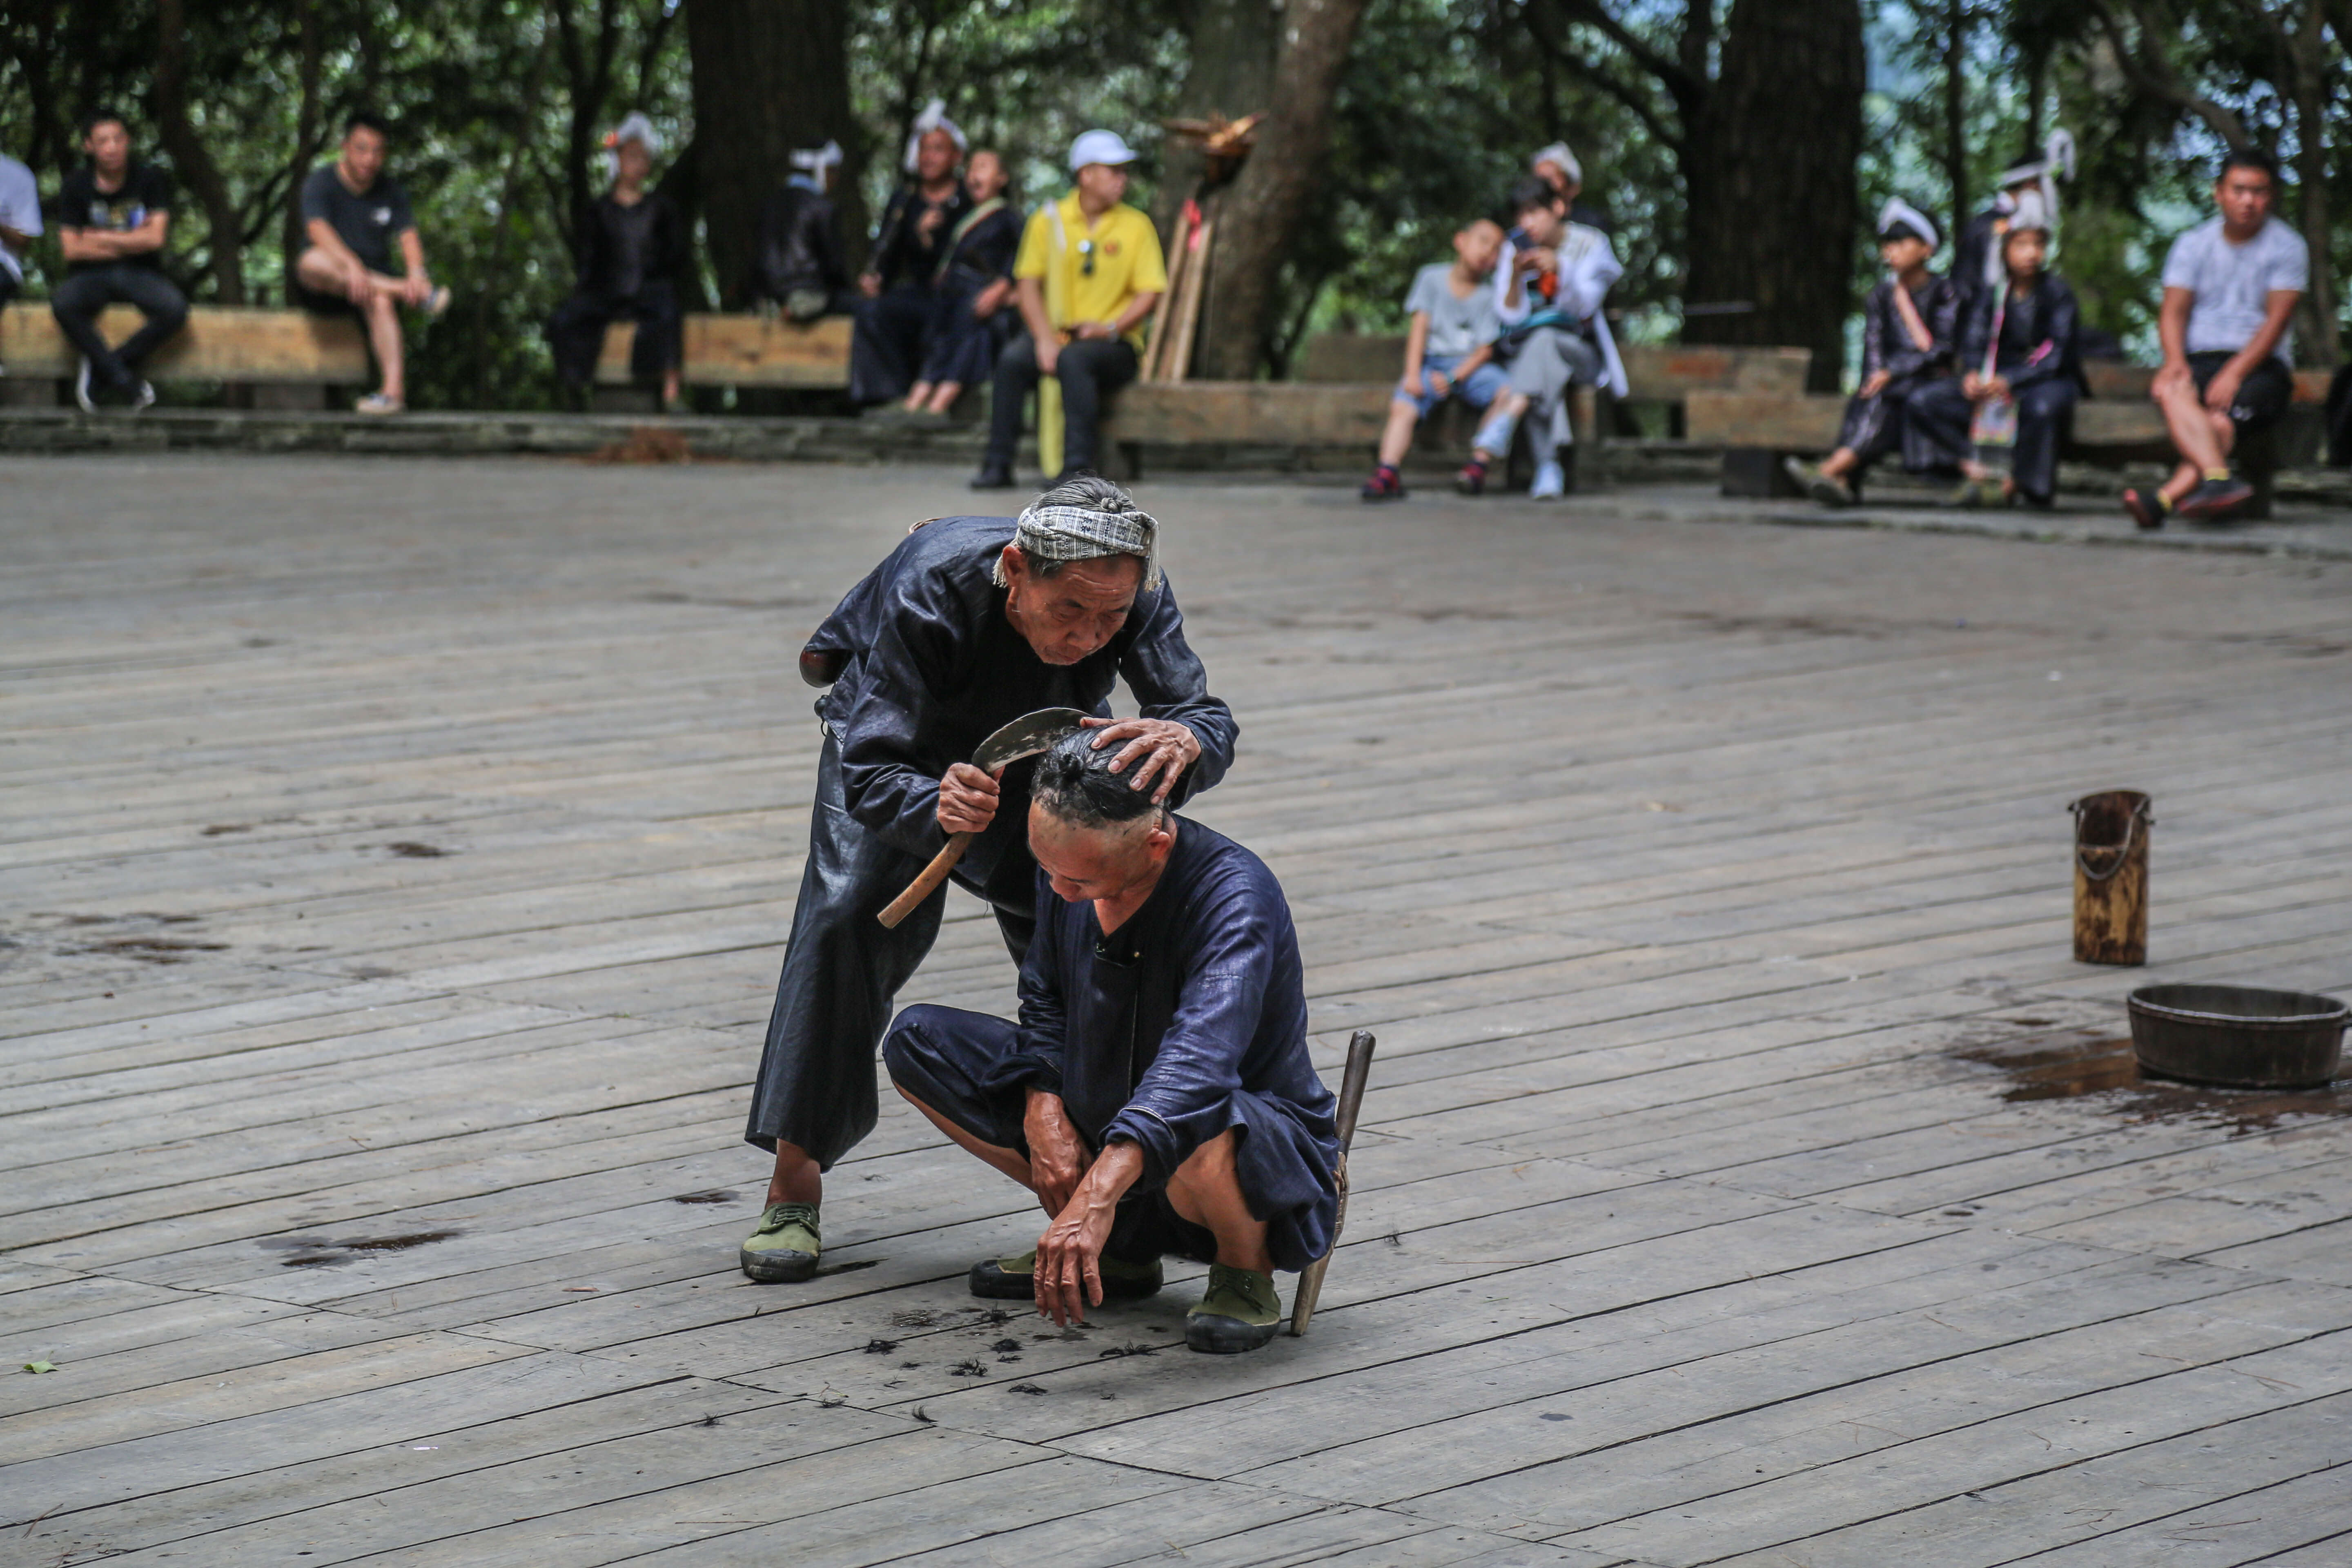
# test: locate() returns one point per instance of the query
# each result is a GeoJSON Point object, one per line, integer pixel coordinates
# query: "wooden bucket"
{"type": "Point", "coordinates": [2111, 831]}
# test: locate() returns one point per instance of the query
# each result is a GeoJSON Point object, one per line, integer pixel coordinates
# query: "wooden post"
{"type": "Point", "coordinates": [2111, 831]}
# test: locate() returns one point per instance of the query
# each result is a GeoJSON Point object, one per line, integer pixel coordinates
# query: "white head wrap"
{"type": "Point", "coordinates": [814, 160]}
{"type": "Point", "coordinates": [934, 117]}
{"type": "Point", "coordinates": [1558, 152]}
{"type": "Point", "coordinates": [2032, 213]}
{"type": "Point", "coordinates": [634, 127]}
{"type": "Point", "coordinates": [1082, 533]}
{"type": "Point", "coordinates": [1898, 211]}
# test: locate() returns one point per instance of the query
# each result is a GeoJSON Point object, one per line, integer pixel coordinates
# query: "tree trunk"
{"type": "Point", "coordinates": [225, 238]}
{"type": "Point", "coordinates": [2308, 66]}
{"type": "Point", "coordinates": [1956, 110]}
{"type": "Point", "coordinates": [1268, 201]}
{"type": "Point", "coordinates": [769, 75]}
{"type": "Point", "coordinates": [307, 133]}
{"type": "Point", "coordinates": [1773, 218]}
{"type": "Point", "coordinates": [1234, 44]}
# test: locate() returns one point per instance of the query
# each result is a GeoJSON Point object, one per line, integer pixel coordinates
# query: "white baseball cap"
{"type": "Point", "coordinates": [1100, 147]}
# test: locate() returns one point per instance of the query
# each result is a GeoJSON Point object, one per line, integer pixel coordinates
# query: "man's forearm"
{"type": "Point", "coordinates": [2172, 327]}
{"type": "Point", "coordinates": [1129, 318]}
{"type": "Point", "coordinates": [1117, 1169]}
{"type": "Point", "coordinates": [2266, 341]}
{"type": "Point", "coordinates": [1033, 310]}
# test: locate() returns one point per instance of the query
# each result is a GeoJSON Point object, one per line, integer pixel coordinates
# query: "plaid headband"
{"type": "Point", "coordinates": [1079, 534]}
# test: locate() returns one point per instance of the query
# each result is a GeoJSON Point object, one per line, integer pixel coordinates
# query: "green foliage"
{"type": "Point", "coordinates": [498, 104]}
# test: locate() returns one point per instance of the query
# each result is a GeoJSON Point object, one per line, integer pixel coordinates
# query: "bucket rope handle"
{"type": "Point", "coordinates": [2122, 852]}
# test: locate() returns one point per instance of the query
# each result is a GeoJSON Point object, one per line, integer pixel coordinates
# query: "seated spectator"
{"type": "Point", "coordinates": [899, 312]}
{"type": "Point", "coordinates": [2020, 353]}
{"type": "Point", "coordinates": [1089, 273]}
{"type": "Point", "coordinates": [2231, 286]}
{"type": "Point", "coordinates": [1449, 352]}
{"type": "Point", "coordinates": [631, 245]}
{"type": "Point", "coordinates": [1551, 281]}
{"type": "Point", "coordinates": [114, 218]}
{"type": "Point", "coordinates": [799, 264]}
{"type": "Point", "coordinates": [1977, 266]}
{"type": "Point", "coordinates": [973, 286]}
{"type": "Point", "coordinates": [1908, 324]}
{"type": "Point", "coordinates": [354, 215]}
{"type": "Point", "coordinates": [20, 221]}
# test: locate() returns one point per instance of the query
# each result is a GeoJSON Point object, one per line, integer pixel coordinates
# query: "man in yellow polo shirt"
{"type": "Point", "coordinates": [1089, 273]}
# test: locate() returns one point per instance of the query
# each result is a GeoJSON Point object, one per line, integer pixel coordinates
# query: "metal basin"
{"type": "Point", "coordinates": [2240, 1035]}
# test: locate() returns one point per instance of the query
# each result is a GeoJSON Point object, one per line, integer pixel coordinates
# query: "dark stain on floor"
{"type": "Point", "coordinates": [318, 1252]}
{"type": "Point", "coordinates": [2101, 1069]}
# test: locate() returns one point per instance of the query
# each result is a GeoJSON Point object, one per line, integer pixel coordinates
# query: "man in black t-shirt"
{"type": "Point", "coordinates": [114, 218]}
{"type": "Point", "coordinates": [354, 217]}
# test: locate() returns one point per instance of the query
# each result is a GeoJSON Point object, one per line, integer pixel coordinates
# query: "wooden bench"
{"type": "Point", "coordinates": [290, 358]}
{"type": "Point", "coordinates": [1341, 398]}
{"type": "Point", "coordinates": [2116, 425]}
{"type": "Point", "coordinates": [739, 351]}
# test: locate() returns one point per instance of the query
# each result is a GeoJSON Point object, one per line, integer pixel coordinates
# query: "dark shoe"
{"type": "Point", "coordinates": [2211, 498]}
{"type": "Point", "coordinates": [1384, 485]}
{"type": "Point", "coordinates": [1471, 481]}
{"type": "Point", "coordinates": [1240, 1312]}
{"type": "Point", "coordinates": [2147, 507]}
{"type": "Point", "coordinates": [1820, 486]}
{"type": "Point", "coordinates": [992, 479]}
{"type": "Point", "coordinates": [1014, 1278]}
{"type": "Point", "coordinates": [783, 1250]}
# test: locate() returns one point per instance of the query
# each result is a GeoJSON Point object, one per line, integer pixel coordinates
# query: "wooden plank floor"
{"type": "Point", "coordinates": [394, 859]}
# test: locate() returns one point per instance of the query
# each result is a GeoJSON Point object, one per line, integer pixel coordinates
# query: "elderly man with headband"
{"type": "Point", "coordinates": [970, 623]}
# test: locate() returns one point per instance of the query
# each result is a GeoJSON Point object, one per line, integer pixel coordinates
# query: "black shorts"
{"type": "Point", "coordinates": [2262, 397]}
{"type": "Point", "coordinates": [942, 1056]}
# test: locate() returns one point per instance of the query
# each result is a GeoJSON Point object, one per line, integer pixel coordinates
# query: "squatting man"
{"type": "Point", "coordinates": [969, 622]}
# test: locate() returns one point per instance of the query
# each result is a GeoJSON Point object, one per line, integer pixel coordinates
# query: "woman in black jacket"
{"type": "Point", "coordinates": [631, 247]}
{"type": "Point", "coordinates": [2021, 354]}
{"type": "Point", "coordinates": [974, 286]}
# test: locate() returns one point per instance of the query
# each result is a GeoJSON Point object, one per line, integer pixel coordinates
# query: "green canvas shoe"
{"type": "Point", "coordinates": [1240, 1312]}
{"type": "Point", "coordinates": [1014, 1278]}
{"type": "Point", "coordinates": [783, 1250]}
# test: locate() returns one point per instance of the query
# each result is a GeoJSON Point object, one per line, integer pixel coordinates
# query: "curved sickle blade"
{"type": "Point", "coordinates": [1024, 737]}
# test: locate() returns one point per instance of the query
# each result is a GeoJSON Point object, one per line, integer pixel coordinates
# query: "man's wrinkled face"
{"type": "Point", "coordinates": [1071, 614]}
{"type": "Point", "coordinates": [2245, 198]}
{"type": "Point", "coordinates": [1088, 863]}
{"type": "Point", "coordinates": [935, 157]}
{"type": "Point", "coordinates": [109, 146]}
{"type": "Point", "coordinates": [1104, 182]}
{"type": "Point", "coordinates": [363, 156]}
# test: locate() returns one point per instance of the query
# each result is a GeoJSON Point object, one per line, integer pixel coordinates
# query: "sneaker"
{"type": "Point", "coordinates": [992, 479]}
{"type": "Point", "coordinates": [81, 389]}
{"type": "Point", "coordinates": [2147, 507]}
{"type": "Point", "coordinates": [143, 397]}
{"type": "Point", "coordinates": [783, 1250]}
{"type": "Point", "coordinates": [377, 403]}
{"type": "Point", "coordinates": [1550, 484]}
{"type": "Point", "coordinates": [1014, 1278]}
{"type": "Point", "coordinates": [1240, 1312]}
{"type": "Point", "coordinates": [2211, 498]}
{"type": "Point", "coordinates": [1384, 485]}
{"type": "Point", "coordinates": [1471, 478]}
{"type": "Point", "coordinates": [436, 303]}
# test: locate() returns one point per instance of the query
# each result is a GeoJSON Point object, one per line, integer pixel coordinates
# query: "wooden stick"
{"type": "Point", "coordinates": [1352, 1100]}
{"type": "Point", "coordinates": [1155, 353]}
{"type": "Point", "coordinates": [921, 887]}
{"type": "Point", "coordinates": [1188, 310]}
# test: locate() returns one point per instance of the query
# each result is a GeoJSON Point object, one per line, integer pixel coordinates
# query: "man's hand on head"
{"type": "Point", "coordinates": [1156, 751]}
{"type": "Point", "coordinates": [1058, 1156]}
{"type": "Point", "coordinates": [968, 799]}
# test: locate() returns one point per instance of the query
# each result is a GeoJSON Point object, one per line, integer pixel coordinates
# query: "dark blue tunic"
{"type": "Point", "coordinates": [1189, 1019]}
{"type": "Point", "coordinates": [933, 667]}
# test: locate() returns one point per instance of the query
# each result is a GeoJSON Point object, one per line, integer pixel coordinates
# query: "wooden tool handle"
{"type": "Point", "coordinates": [1351, 1101]}
{"type": "Point", "coordinates": [922, 887]}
